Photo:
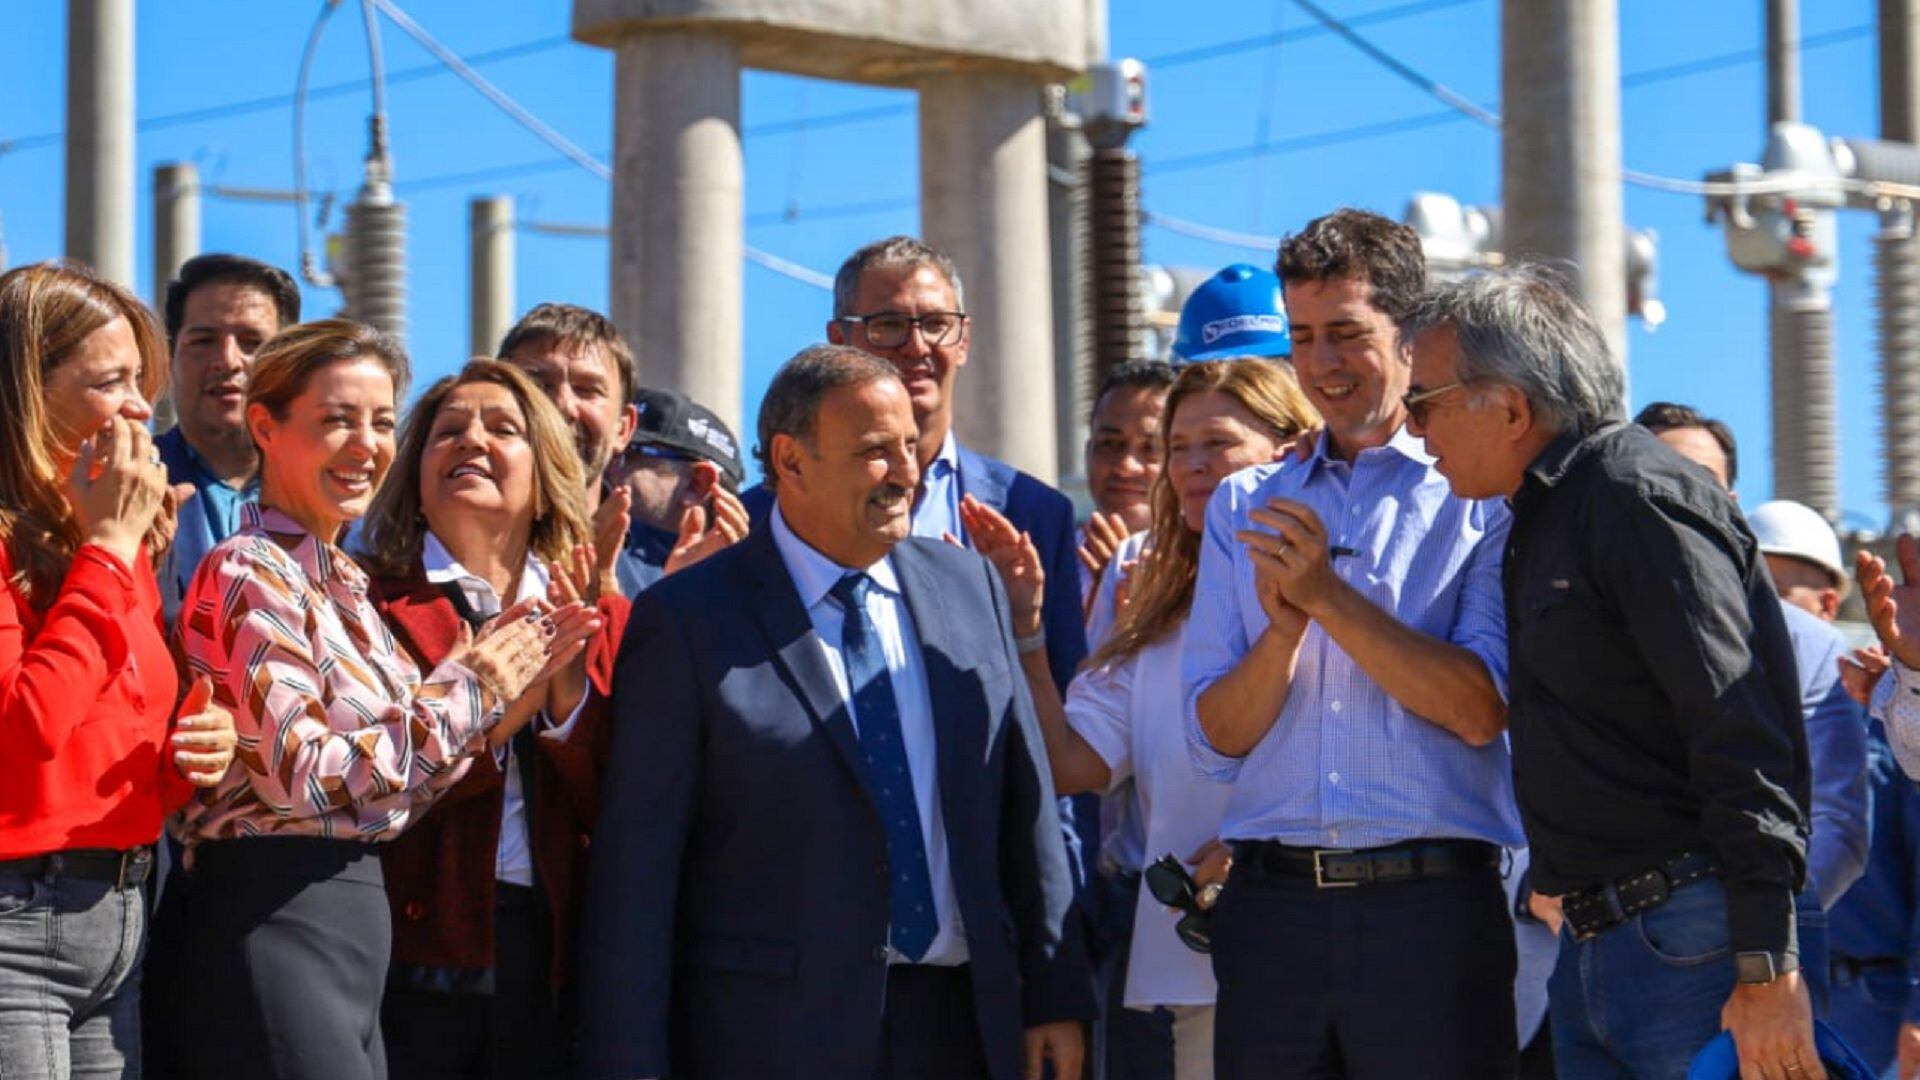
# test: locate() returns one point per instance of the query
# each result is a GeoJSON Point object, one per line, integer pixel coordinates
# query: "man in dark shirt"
{"type": "Point", "coordinates": [1658, 753]}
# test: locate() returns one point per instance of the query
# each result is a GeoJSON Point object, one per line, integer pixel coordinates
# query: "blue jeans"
{"type": "Point", "coordinates": [1868, 1007]}
{"type": "Point", "coordinates": [69, 977]}
{"type": "Point", "coordinates": [1640, 1000]}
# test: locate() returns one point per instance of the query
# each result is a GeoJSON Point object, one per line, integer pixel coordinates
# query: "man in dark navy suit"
{"type": "Point", "coordinates": [902, 300]}
{"type": "Point", "coordinates": [828, 845]}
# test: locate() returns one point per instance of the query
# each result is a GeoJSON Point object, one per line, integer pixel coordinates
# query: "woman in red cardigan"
{"type": "Point", "coordinates": [486, 507]}
{"type": "Point", "coordinates": [94, 757]}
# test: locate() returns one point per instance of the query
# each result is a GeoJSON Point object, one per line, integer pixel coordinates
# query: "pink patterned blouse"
{"type": "Point", "coordinates": [339, 733]}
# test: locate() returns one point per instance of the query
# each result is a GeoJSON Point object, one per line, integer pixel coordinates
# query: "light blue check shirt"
{"type": "Point", "coordinates": [1346, 766]}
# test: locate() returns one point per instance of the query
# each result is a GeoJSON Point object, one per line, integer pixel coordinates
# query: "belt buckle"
{"type": "Point", "coordinates": [1320, 869]}
{"type": "Point", "coordinates": [128, 858]}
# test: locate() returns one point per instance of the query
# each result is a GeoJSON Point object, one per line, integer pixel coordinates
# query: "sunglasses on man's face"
{"type": "Point", "coordinates": [1167, 879]}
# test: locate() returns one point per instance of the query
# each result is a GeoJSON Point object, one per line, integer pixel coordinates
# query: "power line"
{"type": "Point", "coordinates": [553, 138]}
{"type": "Point", "coordinates": [161, 121]}
{"type": "Point", "coordinates": [1249, 44]}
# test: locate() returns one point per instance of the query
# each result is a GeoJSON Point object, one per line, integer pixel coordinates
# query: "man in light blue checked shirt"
{"type": "Point", "coordinates": [1344, 670]}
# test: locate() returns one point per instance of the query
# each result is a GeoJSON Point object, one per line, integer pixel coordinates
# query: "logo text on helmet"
{"type": "Point", "coordinates": [1219, 328]}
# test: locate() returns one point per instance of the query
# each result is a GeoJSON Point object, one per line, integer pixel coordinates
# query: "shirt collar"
{"type": "Point", "coordinates": [1558, 458]}
{"type": "Point", "coordinates": [441, 567]}
{"type": "Point", "coordinates": [1403, 444]}
{"type": "Point", "coordinates": [947, 461]}
{"type": "Point", "coordinates": [813, 573]}
{"type": "Point", "coordinates": [323, 562]}
{"type": "Point", "coordinates": [203, 477]}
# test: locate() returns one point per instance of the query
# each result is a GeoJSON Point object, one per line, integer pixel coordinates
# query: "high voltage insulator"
{"type": "Point", "coordinates": [1115, 106]}
{"type": "Point", "coordinates": [1119, 298]}
{"type": "Point", "coordinates": [1896, 260]}
{"type": "Point", "coordinates": [376, 253]}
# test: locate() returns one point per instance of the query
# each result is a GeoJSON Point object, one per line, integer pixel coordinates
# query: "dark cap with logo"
{"type": "Point", "coordinates": [672, 421]}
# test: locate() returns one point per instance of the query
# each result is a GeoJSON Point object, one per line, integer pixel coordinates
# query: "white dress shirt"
{"type": "Point", "coordinates": [1129, 713]}
{"type": "Point", "coordinates": [814, 575]}
{"type": "Point", "coordinates": [513, 859]}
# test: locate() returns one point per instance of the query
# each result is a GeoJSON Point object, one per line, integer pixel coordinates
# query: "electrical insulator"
{"type": "Point", "coordinates": [376, 260]}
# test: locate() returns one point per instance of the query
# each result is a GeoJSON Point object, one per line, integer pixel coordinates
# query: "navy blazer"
{"type": "Point", "coordinates": [737, 905]}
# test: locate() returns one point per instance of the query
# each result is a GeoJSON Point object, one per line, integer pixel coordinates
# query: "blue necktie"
{"type": "Point", "coordinates": [910, 886]}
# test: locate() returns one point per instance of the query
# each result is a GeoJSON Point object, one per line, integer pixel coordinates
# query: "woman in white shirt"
{"type": "Point", "coordinates": [1122, 716]}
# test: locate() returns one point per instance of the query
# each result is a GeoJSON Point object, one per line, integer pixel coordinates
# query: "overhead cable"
{"type": "Point", "coordinates": [560, 142]}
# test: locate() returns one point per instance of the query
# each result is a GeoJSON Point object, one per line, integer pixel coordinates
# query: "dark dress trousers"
{"type": "Point", "coordinates": [737, 907]}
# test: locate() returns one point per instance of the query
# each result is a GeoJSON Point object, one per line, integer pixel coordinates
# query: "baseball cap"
{"type": "Point", "coordinates": [674, 421]}
{"type": "Point", "coordinates": [1797, 531]}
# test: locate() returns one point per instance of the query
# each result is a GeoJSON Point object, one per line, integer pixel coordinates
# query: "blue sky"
{"type": "Point", "coordinates": [1254, 137]}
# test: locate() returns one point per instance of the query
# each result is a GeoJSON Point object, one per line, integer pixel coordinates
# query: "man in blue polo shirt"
{"type": "Point", "coordinates": [219, 312]}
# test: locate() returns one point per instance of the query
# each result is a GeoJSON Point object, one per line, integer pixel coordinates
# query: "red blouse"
{"type": "Point", "coordinates": [87, 696]}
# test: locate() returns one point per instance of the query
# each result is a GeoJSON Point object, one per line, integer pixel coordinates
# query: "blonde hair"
{"type": "Point", "coordinates": [396, 523]}
{"type": "Point", "coordinates": [1163, 595]}
{"type": "Point", "coordinates": [46, 310]}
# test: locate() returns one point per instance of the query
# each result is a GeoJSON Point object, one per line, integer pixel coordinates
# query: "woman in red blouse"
{"type": "Point", "coordinates": [488, 506]}
{"type": "Point", "coordinates": [91, 757]}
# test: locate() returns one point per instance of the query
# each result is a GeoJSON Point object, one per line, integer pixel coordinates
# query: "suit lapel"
{"type": "Point", "coordinates": [798, 650]}
{"type": "Point", "coordinates": [421, 615]}
{"type": "Point", "coordinates": [980, 479]}
{"type": "Point", "coordinates": [931, 626]}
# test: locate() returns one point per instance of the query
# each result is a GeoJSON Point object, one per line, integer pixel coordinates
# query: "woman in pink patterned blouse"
{"type": "Point", "coordinates": [279, 934]}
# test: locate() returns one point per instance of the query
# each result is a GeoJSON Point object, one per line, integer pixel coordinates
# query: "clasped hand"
{"type": "Point", "coordinates": [1292, 565]}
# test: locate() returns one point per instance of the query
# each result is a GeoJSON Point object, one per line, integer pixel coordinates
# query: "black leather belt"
{"type": "Point", "coordinates": [122, 869]}
{"type": "Point", "coordinates": [1344, 868]}
{"type": "Point", "coordinates": [1598, 908]}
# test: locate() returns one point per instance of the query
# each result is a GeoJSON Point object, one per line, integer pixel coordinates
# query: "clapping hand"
{"type": "Point", "coordinates": [610, 524]}
{"type": "Point", "coordinates": [700, 537]}
{"type": "Point", "coordinates": [117, 487]}
{"type": "Point", "coordinates": [1105, 533]}
{"type": "Point", "coordinates": [1012, 553]}
{"type": "Point", "coordinates": [1894, 610]}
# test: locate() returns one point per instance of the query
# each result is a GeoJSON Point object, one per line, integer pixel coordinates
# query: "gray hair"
{"type": "Point", "coordinates": [1522, 327]}
{"type": "Point", "coordinates": [893, 253]}
{"type": "Point", "coordinates": [792, 404]}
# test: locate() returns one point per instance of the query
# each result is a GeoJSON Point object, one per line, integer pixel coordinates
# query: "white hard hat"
{"type": "Point", "coordinates": [1798, 531]}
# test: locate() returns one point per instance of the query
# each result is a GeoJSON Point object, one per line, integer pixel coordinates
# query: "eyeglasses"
{"type": "Point", "coordinates": [890, 329]}
{"type": "Point", "coordinates": [1167, 879]}
{"type": "Point", "coordinates": [1417, 403]}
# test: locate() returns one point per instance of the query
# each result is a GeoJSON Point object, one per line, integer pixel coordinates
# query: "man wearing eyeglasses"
{"type": "Point", "coordinates": [1343, 670]}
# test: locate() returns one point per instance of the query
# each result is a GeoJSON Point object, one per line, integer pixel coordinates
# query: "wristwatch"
{"type": "Point", "coordinates": [1762, 966]}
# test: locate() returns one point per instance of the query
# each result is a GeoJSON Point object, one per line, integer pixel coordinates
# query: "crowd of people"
{"type": "Point", "coordinates": [1398, 707]}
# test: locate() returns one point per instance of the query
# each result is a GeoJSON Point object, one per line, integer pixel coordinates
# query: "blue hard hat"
{"type": "Point", "coordinates": [1236, 312]}
{"type": "Point", "coordinates": [1718, 1060]}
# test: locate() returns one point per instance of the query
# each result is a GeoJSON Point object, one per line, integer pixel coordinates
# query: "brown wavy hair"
{"type": "Point", "coordinates": [46, 310]}
{"type": "Point", "coordinates": [397, 523]}
{"type": "Point", "coordinates": [1163, 594]}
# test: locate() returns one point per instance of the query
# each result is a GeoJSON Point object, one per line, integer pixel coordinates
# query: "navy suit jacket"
{"type": "Point", "coordinates": [1042, 512]}
{"type": "Point", "coordinates": [737, 906]}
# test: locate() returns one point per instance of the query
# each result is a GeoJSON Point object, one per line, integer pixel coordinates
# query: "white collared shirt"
{"type": "Point", "coordinates": [513, 859]}
{"type": "Point", "coordinates": [814, 575]}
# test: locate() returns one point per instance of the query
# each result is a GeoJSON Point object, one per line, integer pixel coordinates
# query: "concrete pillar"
{"type": "Point", "coordinates": [1560, 148]}
{"type": "Point", "coordinates": [176, 223]}
{"type": "Point", "coordinates": [678, 205]}
{"type": "Point", "coordinates": [99, 168]}
{"type": "Point", "coordinates": [983, 200]}
{"type": "Point", "coordinates": [491, 308]}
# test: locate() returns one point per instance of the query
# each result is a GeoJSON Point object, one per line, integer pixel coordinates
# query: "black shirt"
{"type": "Point", "coordinates": [1654, 704]}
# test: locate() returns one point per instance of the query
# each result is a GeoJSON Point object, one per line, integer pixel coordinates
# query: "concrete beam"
{"type": "Point", "coordinates": [983, 201]}
{"type": "Point", "coordinates": [884, 42]}
{"type": "Point", "coordinates": [678, 212]}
